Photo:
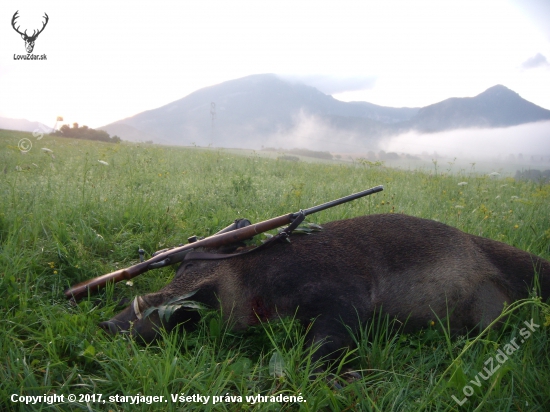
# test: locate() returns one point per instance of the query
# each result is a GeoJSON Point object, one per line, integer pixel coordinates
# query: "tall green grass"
{"type": "Point", "coordinates": [66, 217]}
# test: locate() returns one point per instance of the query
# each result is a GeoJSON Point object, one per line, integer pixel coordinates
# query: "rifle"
{"type": "Point", "coordinates": [238, 231]}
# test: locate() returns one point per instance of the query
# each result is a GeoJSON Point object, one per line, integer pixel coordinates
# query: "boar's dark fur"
{"type": "Point", "coordinates": [410, 268]}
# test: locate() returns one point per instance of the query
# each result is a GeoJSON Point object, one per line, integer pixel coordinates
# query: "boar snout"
{"type": "Point", "coordinates": [121, 322]}
{"type": "Point", "coordinates": [110, 327]}
{"type": "Point", "coordinates": [131, 320]}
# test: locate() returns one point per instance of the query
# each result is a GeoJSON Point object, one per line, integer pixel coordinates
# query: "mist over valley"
{"type": "Point", "coordinates": [269, 111]}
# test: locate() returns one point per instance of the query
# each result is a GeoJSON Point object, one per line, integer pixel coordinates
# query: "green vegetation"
{"type": "Point", "coordinates": [84, 208]}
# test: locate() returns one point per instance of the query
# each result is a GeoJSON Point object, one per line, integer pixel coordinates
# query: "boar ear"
{"type": "Point", "coordinates": [166, 310]}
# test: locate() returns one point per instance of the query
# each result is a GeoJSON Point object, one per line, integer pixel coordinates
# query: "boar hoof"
{"type": "Point", "coordinates": [338, 382]}
{"type": "Point", "coordinates": [351, 376]}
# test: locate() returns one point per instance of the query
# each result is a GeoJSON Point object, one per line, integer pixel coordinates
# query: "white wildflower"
{"type": "Point", "coordinates": [459, 207]}
{"type": "Point", "coordinates": [103, 162]}
{"type": "Point", "coordinates": [463, 183]}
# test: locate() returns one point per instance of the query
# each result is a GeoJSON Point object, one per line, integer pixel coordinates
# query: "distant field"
{"type": "Point", "coordinates": [66, 217]}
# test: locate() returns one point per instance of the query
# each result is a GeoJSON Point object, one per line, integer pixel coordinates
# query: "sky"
{"type": "Point", "coordinates": [110, 60]}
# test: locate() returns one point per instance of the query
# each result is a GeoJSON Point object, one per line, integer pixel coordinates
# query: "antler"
{"type": "Point", "coordinates": [15, 16]}
{"type": "Point", "coordinates": [34, 34]}
{"type": "Point", "coordinates": [43, 25]}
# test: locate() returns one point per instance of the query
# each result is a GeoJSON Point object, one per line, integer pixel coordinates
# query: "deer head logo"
{"type": "Point", "coordinates": [29, 40]}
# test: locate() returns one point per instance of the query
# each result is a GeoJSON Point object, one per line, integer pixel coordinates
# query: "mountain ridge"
{"type": "Point", "coordinates": [254, 110]}
{"type": "Point", "coordinates": [23, 125]}
{"type": "Point", "coordinates": [267, 110]}
{"type": "Point", "coordinates": [251, 106]}
{"type": "Point", "coordinates": [497, 106]}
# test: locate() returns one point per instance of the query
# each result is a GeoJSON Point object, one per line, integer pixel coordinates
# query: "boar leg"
{"type": "Point", "coordinates": [332, 335]}
{"type": "Point", "coordinates": [489, 303]}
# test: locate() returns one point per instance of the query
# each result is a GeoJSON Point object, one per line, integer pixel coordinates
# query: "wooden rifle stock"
{"type": "Point", "coordinates": [175, 255]}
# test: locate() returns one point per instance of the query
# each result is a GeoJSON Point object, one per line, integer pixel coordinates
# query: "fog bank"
{"type": "Point", "coordinates": [524, 141]}
{"type": "Point", "coordinates": [315, 133]}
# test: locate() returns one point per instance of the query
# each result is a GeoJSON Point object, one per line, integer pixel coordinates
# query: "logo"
{"type": "Point", "coordinates": [29, 40]}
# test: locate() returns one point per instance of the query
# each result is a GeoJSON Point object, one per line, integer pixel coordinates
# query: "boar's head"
{"type": "Point", "coordinates": [193, 287]}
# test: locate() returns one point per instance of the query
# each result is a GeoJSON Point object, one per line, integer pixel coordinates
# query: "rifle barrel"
{"type": "Point", "coordinates": [344, 199]}
{"type": "Point", "coordinates": [240, 230]}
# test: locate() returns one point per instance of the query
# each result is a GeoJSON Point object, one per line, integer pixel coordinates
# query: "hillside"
{"type": "Point", "coordinates": [498, 106]}
{"type": "Point", "coordinates": [23, 125]}
{"type": "Point", "coordinates": [266, 110]}
{"type": "Point", "coordinates": [251, 109]}
{"type": "Point", "coordinates": [69, 218]}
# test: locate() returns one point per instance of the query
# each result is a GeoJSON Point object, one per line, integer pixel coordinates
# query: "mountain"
{"type": "Point", "coordinates": [23, 125]}
{"type": "Point", "coordinates": [131, 134]}
{"type": "Point", "coordinates": [497, 106]}
{"type": "Point", "coordinates": [265, 110]}
{"type": "Point", "coordinates": [250, 110]}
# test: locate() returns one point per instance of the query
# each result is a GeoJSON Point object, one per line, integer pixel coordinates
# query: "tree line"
{"type": "Point", "coordinates": [84, 132]}
{"type": "Point", "coordinates": [302, 152]}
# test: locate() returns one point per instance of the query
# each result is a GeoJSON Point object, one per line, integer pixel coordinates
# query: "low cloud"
{"type": "Point", "coordinates": [334, 84]}
{"type": "Point", "coordinates": [314, 133]}
{"type": "Point", "coordinates": [537, 60]}
{"type": "Point", "coordinates": [477, 144]}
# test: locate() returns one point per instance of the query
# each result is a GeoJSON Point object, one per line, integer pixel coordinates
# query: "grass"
{"type": "Point", "coordinates": [66, 217]}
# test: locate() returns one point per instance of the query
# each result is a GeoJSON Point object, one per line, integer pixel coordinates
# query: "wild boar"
{"type": "Point", "coordinates": [409, 268]}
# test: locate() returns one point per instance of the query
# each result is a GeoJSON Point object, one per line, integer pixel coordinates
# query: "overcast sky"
{"type": "Point", "coordinates": [111, 60]}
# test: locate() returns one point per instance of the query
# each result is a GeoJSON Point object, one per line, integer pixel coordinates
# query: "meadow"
{"type": "Point", "coordinates": [81, 209]}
